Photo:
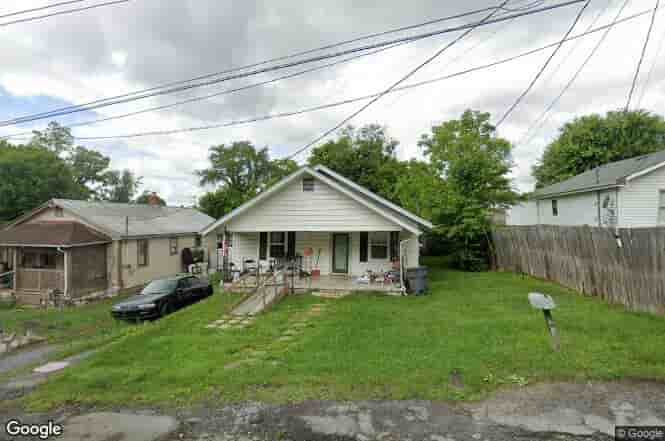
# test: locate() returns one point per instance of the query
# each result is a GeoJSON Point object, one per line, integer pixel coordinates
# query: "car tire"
{"type": "Point", "coordinates": [166, 309]}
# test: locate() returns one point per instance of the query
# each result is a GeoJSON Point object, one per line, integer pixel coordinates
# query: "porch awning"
{"type": "Point", "coordinates": [51, 235]}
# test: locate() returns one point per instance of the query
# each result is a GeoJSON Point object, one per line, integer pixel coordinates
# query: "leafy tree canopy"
{"type": "Point", "coordinates": [120, 186]}
{"type": "Point", "coordinates": [474, 164]}
{"type": "Point", "coordinates": [365, 155]}
{"type": "Point", "coordinates": [590, 141]}
{"type": "Point", "coordinates": [240, 171]}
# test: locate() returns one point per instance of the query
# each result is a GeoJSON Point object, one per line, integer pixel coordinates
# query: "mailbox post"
{"type": "Point", "coordinates": [546, 304]}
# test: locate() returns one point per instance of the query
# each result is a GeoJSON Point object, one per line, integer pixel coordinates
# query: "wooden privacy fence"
{"type": "Point", "coordinates": [625, 266]}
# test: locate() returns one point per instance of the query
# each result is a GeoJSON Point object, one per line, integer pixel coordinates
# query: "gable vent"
{"type": "Point", "coordinates": [308, 184]}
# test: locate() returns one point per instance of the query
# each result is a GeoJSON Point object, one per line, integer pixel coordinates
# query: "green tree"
{"type": "Point", "coordinates": [31, 176]}
{"type": "Point", "coordinates": [90, 170]}
{"type": "Point", "coordinates": [365, 155]}
{"type": "Point", "coordinates": [220, 202]}
{"type": "Point", "coordinates": [240, 172]}
{"type": "Point", "coordinates": [147, 195]}
{"type": "Point", "coordinates": [474, 163]}
{"type": "Point", "coordinates": [55, 137]}
{"type": "Point", "coordinates": [593, 140]}
{"type": "Point", "coordinates": [120, 186]}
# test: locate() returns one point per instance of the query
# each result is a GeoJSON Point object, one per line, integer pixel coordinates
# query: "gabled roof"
{"type": "Point", "coordinates": [611, 175]}
{"type": "Point", "coordinates": [130, 220]}
{"type": "Point", "coordinates": [51, 234]}
{"type": "Point", "coordinates": [398, 215]}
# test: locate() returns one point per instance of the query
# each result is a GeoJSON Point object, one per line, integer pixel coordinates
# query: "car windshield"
{"type": "Point", "coordinates": [159, 286]}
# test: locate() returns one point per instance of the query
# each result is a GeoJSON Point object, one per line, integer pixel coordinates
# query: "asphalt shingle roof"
{"type": "Point", "coordinates": [144, 220]}
{"type": "Point", "coordinates": [607, 175]}
{"type": "Point", "coordinates": [60, 234]}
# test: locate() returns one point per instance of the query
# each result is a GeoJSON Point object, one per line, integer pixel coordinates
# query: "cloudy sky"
{"type": "Point", "coordinates": [103, 52]}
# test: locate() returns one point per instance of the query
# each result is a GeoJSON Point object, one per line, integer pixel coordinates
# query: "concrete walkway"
{"type": "Point", "coordinates": [26, 357]}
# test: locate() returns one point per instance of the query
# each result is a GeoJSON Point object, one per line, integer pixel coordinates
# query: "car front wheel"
{"type": "Point", "coordinates": [166, 309]}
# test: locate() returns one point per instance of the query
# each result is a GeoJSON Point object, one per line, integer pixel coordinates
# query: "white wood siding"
{"type": "Point", "coordinates": [638, 200]}
{"type": "Point", "coordinates": [324, 209]}
{"type": "Point", "coordinates": [523, 214]}
{"type": "Point", "coordinates": [579, 209]}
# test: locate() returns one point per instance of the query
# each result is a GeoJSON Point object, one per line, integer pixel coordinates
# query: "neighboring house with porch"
{"type": "Point", "coordinates": [336, 226]}
{"type": "Point", "coordinates": [622, 194]}
{"type": "Point", "coordinates": [81, 248]}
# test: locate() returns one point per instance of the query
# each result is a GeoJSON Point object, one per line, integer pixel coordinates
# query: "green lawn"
{"type": "Point", "coordinates": [73, 328]}
{"type": "Point", "coordinates": [370, 347]}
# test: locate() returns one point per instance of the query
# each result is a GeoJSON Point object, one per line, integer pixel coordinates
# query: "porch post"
{"type": "Point", "coordinates": [15, 269]}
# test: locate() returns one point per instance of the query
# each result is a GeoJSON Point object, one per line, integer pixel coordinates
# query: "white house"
{"type": "Point", "coordinates": [337, 225]}
{"type": "Point", "coordinates": [628, 193]}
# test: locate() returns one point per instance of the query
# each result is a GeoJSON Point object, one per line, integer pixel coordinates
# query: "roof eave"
{"type": "Point", "coordinates": [578, 191]}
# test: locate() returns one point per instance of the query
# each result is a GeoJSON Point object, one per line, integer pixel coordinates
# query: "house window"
{"type": "Point", "coordinates": [308, 184]}
{"type": "Point", "coordinates": [661, 208]}
{"type": "Point", "coordinates": [197, 241]}
{"type": "Point", "coordinates": [555, 207]}
{"type": "Point", "coordinates": [37, 260]}
{"type": "Point", "coordinates": [58, 212]}
{"type": "Point", "coordinates": [277, 242]}
{"type": "Point", "coordinates": [173, 246]}
{"type": "Point", "coordinates": [142, 247]}
{"type": "Point", "coordinates": [378, 245]}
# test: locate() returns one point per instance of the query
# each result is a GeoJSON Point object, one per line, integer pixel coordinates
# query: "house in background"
{"type": "Point", "coordinates": [342, 228]}
{"type": "Point", "coordinates": [626, 194]}
{"type": "Point", "coordinates": [86, 248]}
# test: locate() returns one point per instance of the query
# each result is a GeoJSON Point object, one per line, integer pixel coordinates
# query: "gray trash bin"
{"type": "Point", "coordinates": [416, 279]}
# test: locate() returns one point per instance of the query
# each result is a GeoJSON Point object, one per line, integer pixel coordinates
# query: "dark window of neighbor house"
{"type": "Point", "coordinates": [661, 208]}
{"type": "Point", "coordinates": [378, 248]}
{"type": "Point", "coordinates": [555, 207]}
{"type": "Point", "coordinates": [277, 242]}
{"type": "Point", "coordinates": [39, 260]}
{"type": "Point", "coordinates": [307, 184]}
{"type": "Point", "coordinates": [197, 241]}
{"type": "Point", "coordinates": [143, 251]}
{"type": "Point", "coordinates": [173, 246]}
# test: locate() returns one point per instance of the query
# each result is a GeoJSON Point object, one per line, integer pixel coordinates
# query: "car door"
{"type": "Point", "coordinates": [197, 287]}
{"type": "Point", "coordinates": [184, 290]}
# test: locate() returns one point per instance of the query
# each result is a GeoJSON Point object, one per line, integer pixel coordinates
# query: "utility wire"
{"type": "Point", "coordinates": [393, 86]}
{"type": "Point", "coordinates": [366, 97]}
{"type": "Point", "coordinates": [639, 63]}
{"type": "Point", "coordinates": [273, 60]}
{"type": "Point", "coordinates": [67, 11]}
{"type": "Point", "coordinates": [81, 108]}
{"type": "Point", "coordinates": [216, 94]}
{"type": "Point", "coordinates": [653, 65]}
{"type": "Point", "coordinates": [41, 8]}
{"type": "Point", "coordinates": [531, 131]}
{"type": "Point", "coordinates": [250, 86]}
{"type": "Point", "coordinates": [542, 69]}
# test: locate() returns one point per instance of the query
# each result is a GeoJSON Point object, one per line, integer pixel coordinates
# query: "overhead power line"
{"type": "Point", "coordinates": [366, 97]}
{"type": "Point", "coordinates": [41, 8]}
{"type": "Point", "coordinates": [656, 58]}
{"type": "Point", "coordinates": [67, 11]}
{"type": "Point", "coordinates": [249, 86]}
{"type": "Point", "coordinates": [392, 86]}
{"type": "Point", "coordinates": [84, 107]}
{"type": "Point", "coordinates": [644, 49]}
{"type": "Point", "coordinates": [530, 133]}
{"type": "Point", "coordinates": [542, 69]}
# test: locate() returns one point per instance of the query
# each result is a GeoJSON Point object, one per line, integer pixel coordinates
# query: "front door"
{"type": "Point", "coordinates": [340, 253]}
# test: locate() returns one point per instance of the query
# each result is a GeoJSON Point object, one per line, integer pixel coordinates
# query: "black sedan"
{"type": "Point", "coordinates": [161, 297]}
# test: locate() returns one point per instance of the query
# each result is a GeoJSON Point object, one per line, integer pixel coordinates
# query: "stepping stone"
{"type": "Point", "coordinates": [285, 338]}
{"type": "Point", "coordinates": [259, 354]}
{"type": "Point", "coordinates": [301, 325]}
{"type": "Point", "coordinates": [235, 364]}
{"type": "Point", "coordinates": [225, 327]}
{"type": "Point", "coordinates": [117, 426]}
{"type": "Point", "coordinates": [51, 367]}
{"type": "Point", "coordinates": [211, 326]}
{"type": "Point", "coordinates": [290, 332]}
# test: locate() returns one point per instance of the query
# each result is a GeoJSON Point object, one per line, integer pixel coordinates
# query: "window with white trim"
{"type": "Point", "coordinates": [661, 207]}
{"type": "Point", "coordinates": [555, 207]}
{"type": "Point", "coordinates": [142, 249]}
{"type": "Point", "coordinates": [378, 245]}
{"type": "Point", "coordinates": [173, 246]}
